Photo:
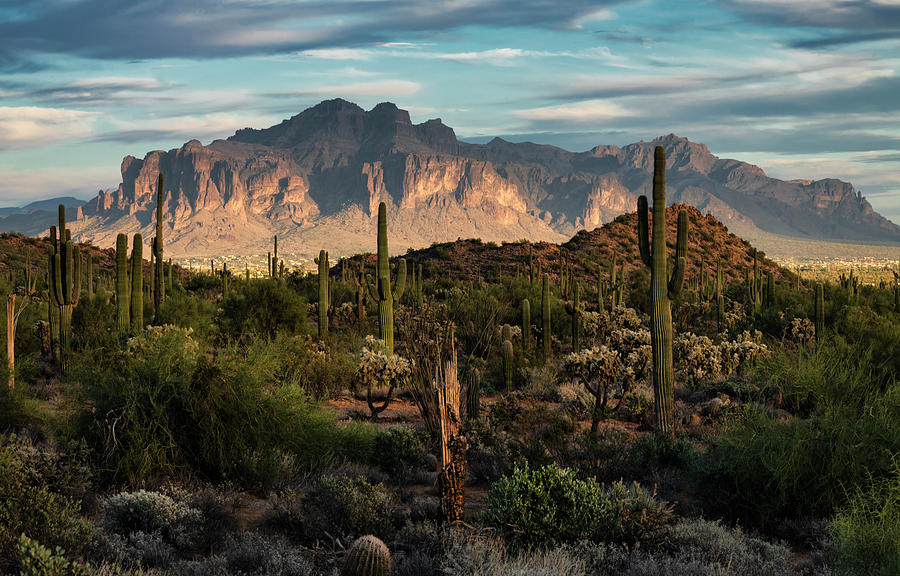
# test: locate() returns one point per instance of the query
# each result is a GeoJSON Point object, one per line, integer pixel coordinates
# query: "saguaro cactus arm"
{"type": "Point", "coordinates": [676, 281]}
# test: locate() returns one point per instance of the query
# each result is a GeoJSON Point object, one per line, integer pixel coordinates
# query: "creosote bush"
{"type": "Point", "coordinates": [551, 505]}
{"type": "Point", "coordinates": [262, 308]}
{"type": "Point", "coordinates": [337, 507]}
{"type": "Point", "coordinates": [239, 416]}
{"type": "Point", "coordinates": [866, 530]}
{"type": "Point", "coordinates": [36, 499]}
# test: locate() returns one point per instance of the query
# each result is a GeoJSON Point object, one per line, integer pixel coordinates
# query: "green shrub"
{"type": "Point", "coordinates": [397, 451]}
{"type": "Point", "coordinates": [37, 560]}
{"type": "Point", "coordinates": [141, 511]}
{"type": "Point", "coordinates": [188, 311]}
{"type": "Point", "coordinates": [551, 505]}
{"type": "Point", "coordinates": [33, 501]}
{"type": "Point", "coordinates": [262, 308]}
{"type": "Point", "coordinates": [763, 470]}
{"type": "Point", "coordinates": [338, 507]}
{"type": "Point", "coordinates": [823, 378]}
{"type": "Point", "coordinates": [690, 548]}
{"type": "Point", "coordinates": [866, 530]}
{"type": "Point", "coordinates": [652, 451]}
{"type": "Point", "coordinates": [239, 416]}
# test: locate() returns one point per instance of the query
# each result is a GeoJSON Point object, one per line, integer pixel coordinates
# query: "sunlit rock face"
{"type": "Point", "coordinates": [316, 180]}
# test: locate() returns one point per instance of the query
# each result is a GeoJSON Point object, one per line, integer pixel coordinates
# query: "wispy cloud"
{"type": "Point", "coordinates": [26, 126]}
{"type": "Point", "coordinates": [210, 28]}
{"type": "Point", "coordinates": [381, 88]}
{"type": "Point", "coordinates": [587, 111]}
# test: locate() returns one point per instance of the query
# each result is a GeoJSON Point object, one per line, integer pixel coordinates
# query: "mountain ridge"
{"type": "Point", "coordinates": [316, 179]}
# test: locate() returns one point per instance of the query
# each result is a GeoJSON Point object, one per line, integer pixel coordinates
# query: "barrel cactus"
{"type": "Point", "coordinates": [368, 556]}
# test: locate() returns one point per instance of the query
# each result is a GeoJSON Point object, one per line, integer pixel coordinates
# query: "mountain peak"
{"type": "Point", "coordinates": [316, 178]}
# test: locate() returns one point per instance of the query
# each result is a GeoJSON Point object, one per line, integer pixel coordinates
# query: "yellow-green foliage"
{"type": "Point", "coordinates": [552, 505]}
{"type": "Point", "coordinates": [866, 530]}
{"type": "Point", "coordinates": [242, 415]}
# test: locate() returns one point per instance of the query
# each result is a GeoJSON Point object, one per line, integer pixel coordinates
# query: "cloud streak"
{"type": "Point", "coordinates": [27, 126]}
{"type": "Point", "coordinates": [110, 29]}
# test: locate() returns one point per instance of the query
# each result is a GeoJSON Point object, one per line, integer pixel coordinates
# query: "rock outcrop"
{"type": "Point", "coordinates": [316, 180]}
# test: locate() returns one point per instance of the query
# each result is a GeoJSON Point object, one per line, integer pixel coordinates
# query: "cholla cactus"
{"type": "Point", "coordinates": [597, 326]}
{"type": "Point", "coordinates": [376, 368]}
{"type": "Point", "coordinates": [743, 350]}
{"type": "Point", "coordinates": [802, 331]}
{"type": "Point", "coordinates": [700, 359]}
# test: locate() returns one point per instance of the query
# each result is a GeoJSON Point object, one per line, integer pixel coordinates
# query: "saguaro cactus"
{"type": "Point", "coordinates": [754, 286]}
{"type": "Point", "coordinates": [381, 289]}
{"type": "Point", "coordinates": [663, 289]}
{"type": "Point", "coordinates": [65, 287]}
{"type": "Point", "coordinates": [137, 283]}
{"type": "Point", "coordinates": [159, 294]}
{"type": "Point", "coordinates": [574, 309]}
{"type": "Point", "coordinates": [820, 312]}
{"type": "Point", "coordinates": [720, 298]}
{"type": "Point", "coordinates": [508, 358]}
{"type": "Point", "coordinates": [420, 287]}
{"type": "Point", "coordinates": [545, 315]}
{"type": "Point", "coordinates": [526, 324]}
{"type": "Point", "coordinates": [322, 261]}
{"type": "Point", "coordinates": [11, 339]}
{"type": "Point", "coordinates": [123, 318]}
{"type": "Point", "coordinates": [358, 279]}
{"type": "Point", "coordinates": [473, 393]}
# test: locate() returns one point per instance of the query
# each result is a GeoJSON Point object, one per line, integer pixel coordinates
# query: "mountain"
{"type": "Point", "coordinates": [316, 180]}
{"type": "Point", "coordinates": [32, 218]}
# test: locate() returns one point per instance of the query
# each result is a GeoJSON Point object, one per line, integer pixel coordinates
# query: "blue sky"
{"type": "Point", "coordinates": [803, 88]}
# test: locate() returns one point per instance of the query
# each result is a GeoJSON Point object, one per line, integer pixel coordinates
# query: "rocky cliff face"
{"type": "Point", "coordinates": [316, 180]}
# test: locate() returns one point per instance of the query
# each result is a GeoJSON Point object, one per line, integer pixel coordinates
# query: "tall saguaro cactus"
{"type": "Point", "coordinates": [526, 324]}
{"type": "Point", "coordinates": [123, 316]}
{"type": "Point", "coordinates": [545, 315]}
{"type": "Point", "coordinates": [65, 285]}
{"type": "Point", "coordinates": [159, 295]}
{"type": "Point", "coordinates": [381, 291]}
{"type": "Point", "coordinates": [137, 283]}
{"type": "Point", "coordinates": [574, 309]}
{"type": "Point", "coordinates": [322, 261]}
{"type": "Point", "coordinates": [663, 289]}
{"type": "Point", "coordinates": [720, 298]}
{"type": "Point", "coordinates": [820, 312]}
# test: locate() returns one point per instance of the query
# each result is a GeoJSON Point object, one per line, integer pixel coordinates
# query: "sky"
{"type": "Point", "coordinates": [803, 88]}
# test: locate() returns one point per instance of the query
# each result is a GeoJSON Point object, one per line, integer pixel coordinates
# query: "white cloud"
{"type": "Point", "coordinates": [363, 89]}
{"type": "Point", "coordinates": [586, 111]}
{"type": "Point", "coordinates": [495, 56]}
{"type": "Point", "coordinates": [339, 54]}
{"type": "Point", "coordinates": [596, 16]}
{"type": "Point", "coordinates": [26, 126]}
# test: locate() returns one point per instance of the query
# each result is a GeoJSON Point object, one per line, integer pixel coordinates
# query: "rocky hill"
{"type": "Point", "coordinates": [590, 252]}
{"type": "Point", "coordinates": [316, 180]}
